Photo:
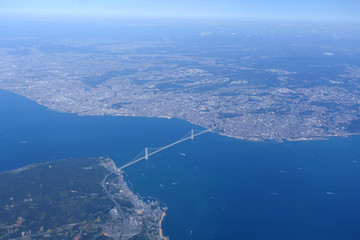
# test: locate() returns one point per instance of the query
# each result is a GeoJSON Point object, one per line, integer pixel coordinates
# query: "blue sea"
{"type": "Point", "coordinates": [215, 187]}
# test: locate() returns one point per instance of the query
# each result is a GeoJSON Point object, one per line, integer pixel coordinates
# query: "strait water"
{"type": "Point", "coordinates": [222, 188]}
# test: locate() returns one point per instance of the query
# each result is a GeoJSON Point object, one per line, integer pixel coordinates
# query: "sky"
{"type": "Point", "coordinates": [307, 10]}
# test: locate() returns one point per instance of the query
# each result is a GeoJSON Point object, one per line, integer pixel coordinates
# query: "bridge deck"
{"type": "Point", "coordinates": [162, 148]}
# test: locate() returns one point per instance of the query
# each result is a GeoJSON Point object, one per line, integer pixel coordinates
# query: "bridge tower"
{"type": "Point", "coordinates": [146, 153]}
{"type": "Point", "coordinates": [192, 134]}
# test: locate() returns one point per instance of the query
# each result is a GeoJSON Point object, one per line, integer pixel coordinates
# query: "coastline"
{"type": "Point", "coordinates": [300, 139]}
{"type": "Point", "coordinates": [250, 139]}
{"type": "Point", "coordinates": [160, 228]}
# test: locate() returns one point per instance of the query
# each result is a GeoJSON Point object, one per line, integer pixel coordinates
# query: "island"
{"type": "Point", "coordinates": [75, 199]}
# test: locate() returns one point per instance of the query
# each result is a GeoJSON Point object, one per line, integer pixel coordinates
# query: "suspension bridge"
{"type": "Point", "coordinates": [147, 152]}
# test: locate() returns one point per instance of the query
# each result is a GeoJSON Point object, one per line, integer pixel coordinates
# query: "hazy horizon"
{"type": "Point", "coordinates": [323, 11]}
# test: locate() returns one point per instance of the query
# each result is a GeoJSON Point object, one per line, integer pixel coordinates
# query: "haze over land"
{"type": "Point", "coordinates": [254, 70]}
{"type": "Point", "coordinates": [254, 81]}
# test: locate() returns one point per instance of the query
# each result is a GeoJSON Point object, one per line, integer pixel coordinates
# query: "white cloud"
{"type": "Point", "coordinates": [203, 34]}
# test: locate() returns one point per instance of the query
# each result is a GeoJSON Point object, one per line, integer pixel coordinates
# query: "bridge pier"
{"type": "Point", "coordinates": [146, 153]}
